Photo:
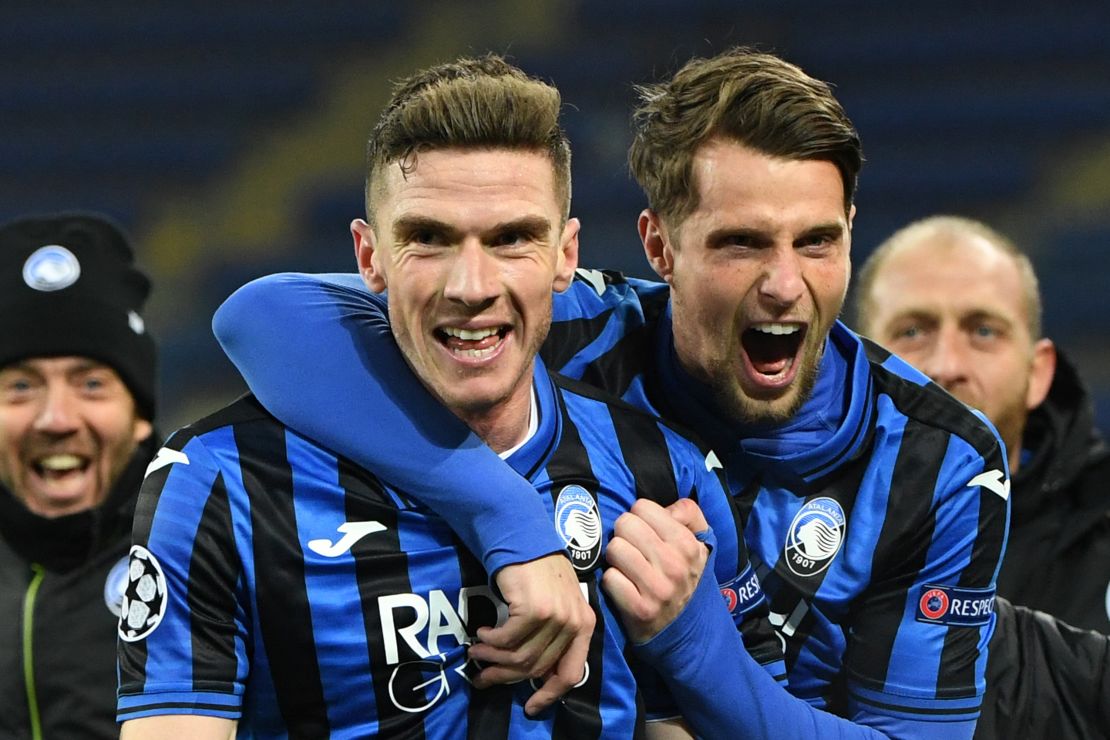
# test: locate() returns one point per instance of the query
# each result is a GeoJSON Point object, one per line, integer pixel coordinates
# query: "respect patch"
{"type": "Point", "coordinates": [743, 593]}
{"type": "Point", "coordinates": [960, 607]}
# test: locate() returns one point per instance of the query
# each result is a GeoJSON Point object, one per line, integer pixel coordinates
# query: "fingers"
{"type": "Point", "coordinates": [689, 514]}
{"type": "Point", "coordinates": [569, 671]}
{"type": "Point", "coordinates": [530, 656]}
{"type": "Point", "coordinates": [549, 619]}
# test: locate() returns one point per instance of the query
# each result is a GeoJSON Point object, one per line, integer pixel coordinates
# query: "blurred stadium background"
{"type": "Point", "coordinates": [228, 137]}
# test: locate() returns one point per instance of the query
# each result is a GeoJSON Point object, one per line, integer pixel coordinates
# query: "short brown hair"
{"type": "Point", "coordinates": [754, 98]}
{"type": "Point", "coordinates": [948, 226]}
{"type": "Point", "coordinates": [472, 103]}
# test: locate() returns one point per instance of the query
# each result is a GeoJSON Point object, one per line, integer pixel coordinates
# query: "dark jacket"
{"type": "Point", "coordinates": [56, 578]}
{"type": "Point", "coordinates": [1058, 555]}
{"type": "Point", "coordinates": [1045, 679]}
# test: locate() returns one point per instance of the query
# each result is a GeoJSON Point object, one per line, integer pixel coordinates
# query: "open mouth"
{"type": "Point", "coordinates": [772, 349]}
{"type": "Point", "coordinates": [472, 344]}
{"type": "Point", "coordinates": [60, 466]}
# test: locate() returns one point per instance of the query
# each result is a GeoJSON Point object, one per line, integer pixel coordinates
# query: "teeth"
{"type": "Point", "coordinates": [772, 328]}
{"type": "Point", "coordinates": [470, 335]}
{"type": "Point", "coordinates": [60, 462]}
{"type": "Point", "coordinates": [476, 354]}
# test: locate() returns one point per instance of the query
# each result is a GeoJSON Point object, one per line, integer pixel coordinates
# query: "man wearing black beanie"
{"type": "Point", "coordinates": [77, 389]}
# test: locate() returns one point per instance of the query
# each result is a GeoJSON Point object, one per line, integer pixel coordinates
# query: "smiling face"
{"type": "Point", "coordinates": [954, 306]}
{"type": "Point", "coordinates": [758, 274]}
{"type": "Point", "coordinates": [470, 245]}
{"type": "Point", "coordinates": [68, 428]}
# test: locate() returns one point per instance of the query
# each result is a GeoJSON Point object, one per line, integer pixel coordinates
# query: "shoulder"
{"type": "Point", "coordinates": [909, 394]}
{"type": "Point", "coordinates": [594, 291]}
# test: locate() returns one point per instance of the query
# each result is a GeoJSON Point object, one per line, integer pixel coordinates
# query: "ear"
{"type": "Point", "coordinates": [141, 430]}
{"type": "Point", "coordinates": [368, 256]}
{"type": "Point", "coordinates": [1042, 370]}
{"type": "Point", "coordinates": [566, 260]}
{"type": "Point", "coordinates": [657, 244]}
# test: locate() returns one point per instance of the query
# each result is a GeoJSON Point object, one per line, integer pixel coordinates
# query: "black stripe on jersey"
{"type": "Point", "coordinates": [913, 480]}
{"type": "Point", "coordinates": [644, 450]}
{"type": "Point", "coordinates": [579, 714]}
{"type": "Point", "coordinates": [215, 576]}
{"type": "Point", "coordinates": [381, 569]}
{"type": "Point", "coordinates": [284, 615]}
{"type": "Point", "coordinates": [567, 338]}
{"type": "Point", "coordinates": [151, 491]}
{"type": "Point", "coordinates": [145, 506]}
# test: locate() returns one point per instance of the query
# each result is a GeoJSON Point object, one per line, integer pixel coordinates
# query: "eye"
{"type": "Point", "coordinates": [984, 331]}
{"type": "Point", "coordinates": [17, 385]}
{"type": "Point", "coordinates": [816, 241]}
{"type": "Point", "coordinates": [739, 240]}
{"type": "Point", "coordinates": [16, 389]}
{"type": "Point", "coordinates": [512, 239]}
{"type": "Point", "coordinates": [425, 236]}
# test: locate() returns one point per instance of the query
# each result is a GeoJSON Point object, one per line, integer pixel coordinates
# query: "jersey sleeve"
{"type": "Point", "coordinates": [317, 352]}
{"type": "Point", "coordinates": [940, 591]}
{"type": "Point", "coordinates": [183, 628]}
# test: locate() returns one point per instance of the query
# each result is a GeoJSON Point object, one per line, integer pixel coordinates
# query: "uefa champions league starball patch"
{"type": "Point", "coordinates": [815, 536]}
{"type": "Point", "coordinates": [579, 524]}
{"type": "Point", "coordinates": [51, 268]}
{"type": "Point", "coordinates": [144, 596]}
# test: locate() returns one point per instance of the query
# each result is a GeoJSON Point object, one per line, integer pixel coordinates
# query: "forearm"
{"type": "Point", "coordinates": [193, 726]}
{"type": "Point", "coordinates": [318, 353]}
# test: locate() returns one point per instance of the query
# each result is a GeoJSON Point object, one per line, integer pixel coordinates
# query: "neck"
{"type": "Point", "coordinates": [503, 426]}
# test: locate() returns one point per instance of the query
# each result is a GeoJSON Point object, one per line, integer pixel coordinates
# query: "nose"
{"type": "Point", "coordinates": [782, 282]}
{"type": "Point", "coordinates": [58, 413]}
{"type": "Point", "coordinates": [947, 362]}
{"type": "Point", "coordinates": [473, 276]}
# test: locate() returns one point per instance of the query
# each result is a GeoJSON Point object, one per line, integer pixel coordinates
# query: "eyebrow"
{"type": "Point", "coordinates": [833, 229]}
{"type": "Point", "coordinates": [528, 224]}
{"type": "Point", "coordinates": [406, 225]}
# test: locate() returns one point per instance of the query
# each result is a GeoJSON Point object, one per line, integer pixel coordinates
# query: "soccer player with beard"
{"type": "Point", "coordinates": [876, 505]}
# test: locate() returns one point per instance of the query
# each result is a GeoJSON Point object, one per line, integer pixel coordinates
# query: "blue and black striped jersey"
{"type": "Point", "coordinates": [877, 540]}
{"type": "Point", "coordinates": [276, 583]}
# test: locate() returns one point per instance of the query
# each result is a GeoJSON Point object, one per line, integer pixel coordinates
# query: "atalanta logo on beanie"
{"type": "Point", "coordinates": [51, 268]}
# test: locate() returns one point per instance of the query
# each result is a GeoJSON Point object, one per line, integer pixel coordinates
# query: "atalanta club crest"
{"type": "Point", "coordinates": [579, 524]}
{"type": "Point", "coordinates": [815, 536]}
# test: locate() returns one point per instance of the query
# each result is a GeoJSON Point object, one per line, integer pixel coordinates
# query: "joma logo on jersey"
{"type": "Point", "coordinates": [963, 607]}
{"type": "Point", "coordinates": [815, 536]}
{"type": "Point", "coordinates": [579, 525]}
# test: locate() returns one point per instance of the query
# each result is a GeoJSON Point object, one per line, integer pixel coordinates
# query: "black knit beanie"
{"type": "Point", "coordinates": [69, 286]}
